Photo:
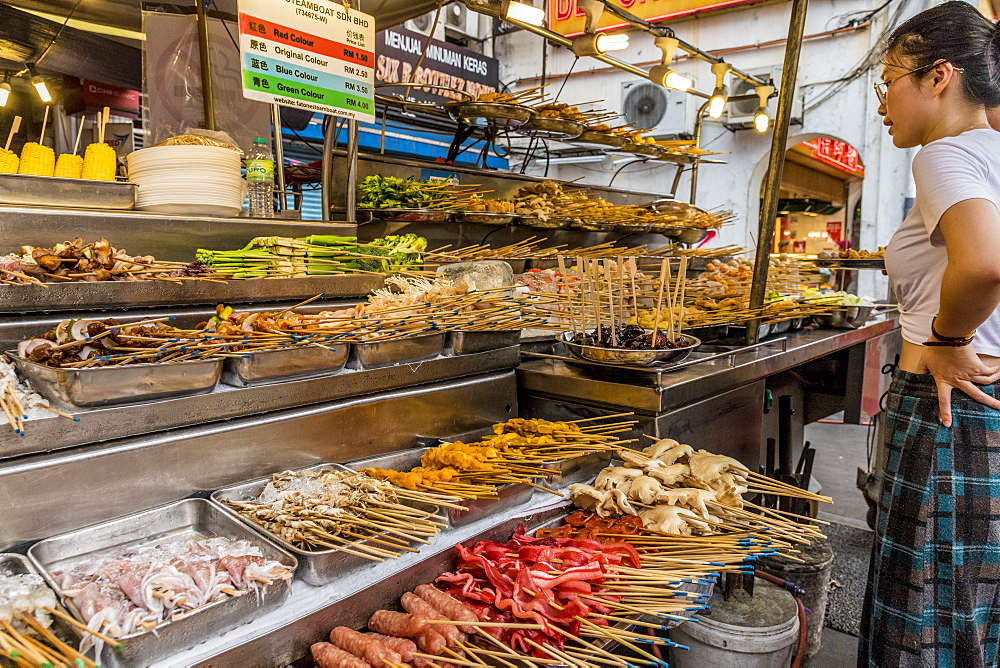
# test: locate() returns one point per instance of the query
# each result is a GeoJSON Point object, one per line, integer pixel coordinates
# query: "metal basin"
{"type": "Point", "coordinates": [844, 317]}
{"type": "Point", "coordinates": [409, 215]}
{"type": "Point", "coordinates": [629, 357]}
{"type": "Point", "coordinates": [271, 366]}
{"type": "Point", "coordinates": [397, 351]}
{"type": "Point", "coordinates": [549, 127]}
{"type": "Point", "coordinates": [73, 193]}
{"type": "Point", "coordinates": [685, 235]}
{"type": "Point", "coordinates": [484, 218]}
{"type": "Point", "coordinates": [110, 385]}
{"type": "Point", "coordinates": [477, 341]}
{"type": "Point", "coordinates": [551, 223]}
{"type": "Point", "coordinates": [503, 115]}
{"type": "Point", "coordinates": [600, 139]}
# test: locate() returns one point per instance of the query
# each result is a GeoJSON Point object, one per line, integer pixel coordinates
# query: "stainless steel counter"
{"type": "Point", "coordinates": [653, 394]}
{"type": "Point", "coordinates": [227, 402]}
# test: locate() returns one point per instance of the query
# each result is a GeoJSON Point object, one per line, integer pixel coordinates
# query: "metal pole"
{"type": "Point", "coordinates": [352, 170]}
{"type": "Point", "coordinates": [326, 183]}
{"type": "Point", "coordinates": [699, 122]}
{"type": "Point", "coordinates": [208, 100]}
{"type": "Point", "coordinates": [776, 164]}
{"type": "Point", "coordinates": [279, 156]}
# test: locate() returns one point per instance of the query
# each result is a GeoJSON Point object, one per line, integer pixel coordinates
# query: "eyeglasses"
{"type": "Point", "coordinates": [882, 88]}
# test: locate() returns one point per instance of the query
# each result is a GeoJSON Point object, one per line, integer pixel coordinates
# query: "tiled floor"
{"type": "Point", "coordinates": [840, 450]}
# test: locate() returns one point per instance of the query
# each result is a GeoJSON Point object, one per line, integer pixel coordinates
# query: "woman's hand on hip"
{"type": "Point", "coordinates": [959, 369]}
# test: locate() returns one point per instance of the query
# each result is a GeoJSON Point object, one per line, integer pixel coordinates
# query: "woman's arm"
{"type": "Point", "coordinates": [970, 293]}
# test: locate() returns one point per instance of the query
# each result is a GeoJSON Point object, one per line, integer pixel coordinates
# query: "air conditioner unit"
{"type": "Point", "coordinates": [662, 112]}
{"type": "Point", "coordinates": [421, 24]}
{"type": "Point", "coordinates": [739, 115]}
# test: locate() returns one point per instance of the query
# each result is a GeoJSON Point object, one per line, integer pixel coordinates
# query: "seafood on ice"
{"type": "Point", "coordinates": [25, 593]}
{"type": "Point", "coordinates": [139, 588]}
{"type": "Point", "coordinates": [671, 486]}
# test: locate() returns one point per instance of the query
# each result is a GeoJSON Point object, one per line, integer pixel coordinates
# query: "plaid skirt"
{"type": "Point", "coordinates": [933, 593]}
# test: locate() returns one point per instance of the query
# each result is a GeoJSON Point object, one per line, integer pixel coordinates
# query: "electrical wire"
{"type": "Point", "coordinates": [566, 78]}
{"type": "Point", "coordinates": [59, 32]}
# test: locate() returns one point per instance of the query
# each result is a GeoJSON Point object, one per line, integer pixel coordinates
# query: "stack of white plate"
{"type": "Point", "coordinates": [188, 180]}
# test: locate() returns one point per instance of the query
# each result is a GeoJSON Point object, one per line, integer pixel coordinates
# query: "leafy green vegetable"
{"type": "Point", "coordinates": [391, 192]}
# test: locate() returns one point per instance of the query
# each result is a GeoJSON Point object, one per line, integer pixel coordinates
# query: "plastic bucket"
{"type": "Point", "coordinates": [758, 632]}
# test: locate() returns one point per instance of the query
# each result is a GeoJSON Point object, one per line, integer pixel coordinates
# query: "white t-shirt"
{"type": "Point", "coordinates": [946, 172]}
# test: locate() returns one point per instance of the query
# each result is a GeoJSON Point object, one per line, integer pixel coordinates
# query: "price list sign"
{"type": "Point", "coordinates": [311, 54]}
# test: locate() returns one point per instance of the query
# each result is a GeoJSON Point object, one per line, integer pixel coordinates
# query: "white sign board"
{"type": "Point", "coordinates": [312, 54]}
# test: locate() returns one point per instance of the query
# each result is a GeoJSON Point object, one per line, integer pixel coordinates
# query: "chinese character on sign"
{"type": "Point", "coordinates": [834, 230]}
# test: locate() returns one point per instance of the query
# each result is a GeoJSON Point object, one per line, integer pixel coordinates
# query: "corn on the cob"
{"type": "Point", "coordinates": [69, 166]}
{"type": "Point", "coordinates": [8, 162]}
{"type": "Point", "coordinates": [100, 163]}
{"type": "Point", "coordinates": [37, 160]}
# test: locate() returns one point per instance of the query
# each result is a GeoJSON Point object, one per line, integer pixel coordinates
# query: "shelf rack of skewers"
{"type": "Point", "coordinates": [638, 553]}
{"type": "Point", "coordinates": [594, 583]}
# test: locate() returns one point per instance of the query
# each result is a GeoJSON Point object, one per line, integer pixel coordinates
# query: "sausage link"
{"type": "Point", "coordinates": [370, 649]}
{"type": "Point", "coordinates": [329, 656]}
{"type": "Point", "coordinates": [431, 642]}
{"type": "Point", "coordinates": [397, 624]}
{"type": "Point", "coordinates": [418, 606]}
{"type": "Point", "coordinates": [449, 606]}
{"type": "Point", "coordinates": [402, 646]}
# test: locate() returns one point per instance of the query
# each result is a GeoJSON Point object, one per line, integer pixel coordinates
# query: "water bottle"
{"type": "Point", "coordinates": [260, 179]}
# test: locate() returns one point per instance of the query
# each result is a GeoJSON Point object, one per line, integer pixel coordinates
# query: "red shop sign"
{"type": "Point", "coordinates": [835, 230]}
{"type": "Point", "coordinates": [97, 95]}
{"type": "Point", "coordinates": [799, 246]}
{"type": "Point", "coordinates": [836, 153]}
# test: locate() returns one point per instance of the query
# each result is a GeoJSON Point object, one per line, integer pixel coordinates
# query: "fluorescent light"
{"type": "Point", "coordinates": [761, 121]}
{"type": "Point", "coordinates": [519, 11]}
{"type": "Point", "coordinates": [4, 93]}
{"type": "Point", "coordinates": [43, 91]}
{"type": "Point", "coordinates": [677, 81]}
{"type": "Point", "coordinates": [717, 103]}
{"type": "Point", "coordinates": [607, 43]}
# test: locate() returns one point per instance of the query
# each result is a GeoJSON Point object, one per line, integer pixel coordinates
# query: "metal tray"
{"type": "Point", "coordinates": [651, 150]}
{"type": "Point", "coordinates": [582, 468]}
{"type": "Point", "coordinates": [600, 138]}
{"type": "Point", "coordinates": [844, 317]}
{"type": "Point", "coordinates": [272, 366]}
{"type": "Point", "coordinates": [550, 223]}
{"type": "Point", "coordinates": [781, 326]}
{"type": "Point", "coordinates": [847, 263]}
{"type": "Point", "coordinates": [317, 567]}
{"type": "Point", "coordinates": [477, 341]}
{"type": "Point", "coordinates": [70, 193]}
{"type": "Point", "coordinates": [17, 564]}
{"type": "Point", "coordinates": [592, 226]}
{"type": "Point", "coordinates": [708, 333]}
{"type": "Point", "coordinates": [508, 496]}
{"type": "Point", "coordinates": [176, 521]}
{"type": "Point", "coordinates": [397, 351]}
{"type": "Point", "coordinates": [484, 218]}
{"type": "Point", "coordinates": [503, 115]}
{"type": "Point", "coordinates": [108, 386]}
{"type": "Point", "coordinates": [629, 357]}
{"type": "Point", "coordinates": [409, 215]}
{"type": "Point", "coordinates": [685, 235]}
{"type": "Point", "coordinates": [551, 127]}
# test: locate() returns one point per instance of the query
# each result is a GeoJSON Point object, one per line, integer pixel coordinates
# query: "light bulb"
{"type": "Point", "coordinates": [519, 11]}
{"type": "Point", "coordinates": [677, 81]}
{"type": "Point", "coordinates": [761, 121]}
{"type": "Point", "coordinates": [607, 43]}
{"type": "Point", "coordinates": [717, 103]}
{"type": "Point", "coordinates": [43, 91]}
{"type": "Point", "coordinates": [4, 93]}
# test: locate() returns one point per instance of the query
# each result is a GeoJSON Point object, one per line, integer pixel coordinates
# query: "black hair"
{"type": "Point", "coordinates": [956, 32]}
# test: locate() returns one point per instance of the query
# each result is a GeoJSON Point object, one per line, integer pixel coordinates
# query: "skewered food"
{"type": "Point", "coordinates": [25, 593]}
{"type": "Point", "coordinates": [851, 254]}
{"type": "Point", "coordinates": [100, 163]}
{"type": "Point", "coordinates": [629, 337]}
{"type": "Point", "coordinates": [8, 162]}
{"type": "Point", "coordinates": [69, 166]}
{"type": "Point", "coordinates": [477, 203]}
{"type": "Point", "coordinates": [560, 110]}
{"type": "Point", "coordinates": [81, 342]}
{"type": "Point", "coordinates": [327, 509]}
{"type": "Point", "coordinates": [584, 525]}
{"type": "Point", "coordinates": [37, 160]}
{"type": "Point", "coordinates": [19, 402]}
{"type": "Point", "coordinates": [328, 655]}
{"type": "Point", "coordinates": [139, 588]}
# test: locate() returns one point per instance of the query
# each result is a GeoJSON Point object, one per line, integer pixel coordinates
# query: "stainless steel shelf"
{"type": "Point", "coordinates": [139, 294]}
{"type": "Point", "coordinates": [227, 402]}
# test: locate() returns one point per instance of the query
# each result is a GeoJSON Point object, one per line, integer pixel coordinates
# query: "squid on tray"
{"type": "Point", "coordinates": [671, 486]}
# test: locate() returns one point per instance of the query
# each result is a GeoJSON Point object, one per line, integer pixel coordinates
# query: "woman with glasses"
{"type": "Point", "coordinates": [933, 595]}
